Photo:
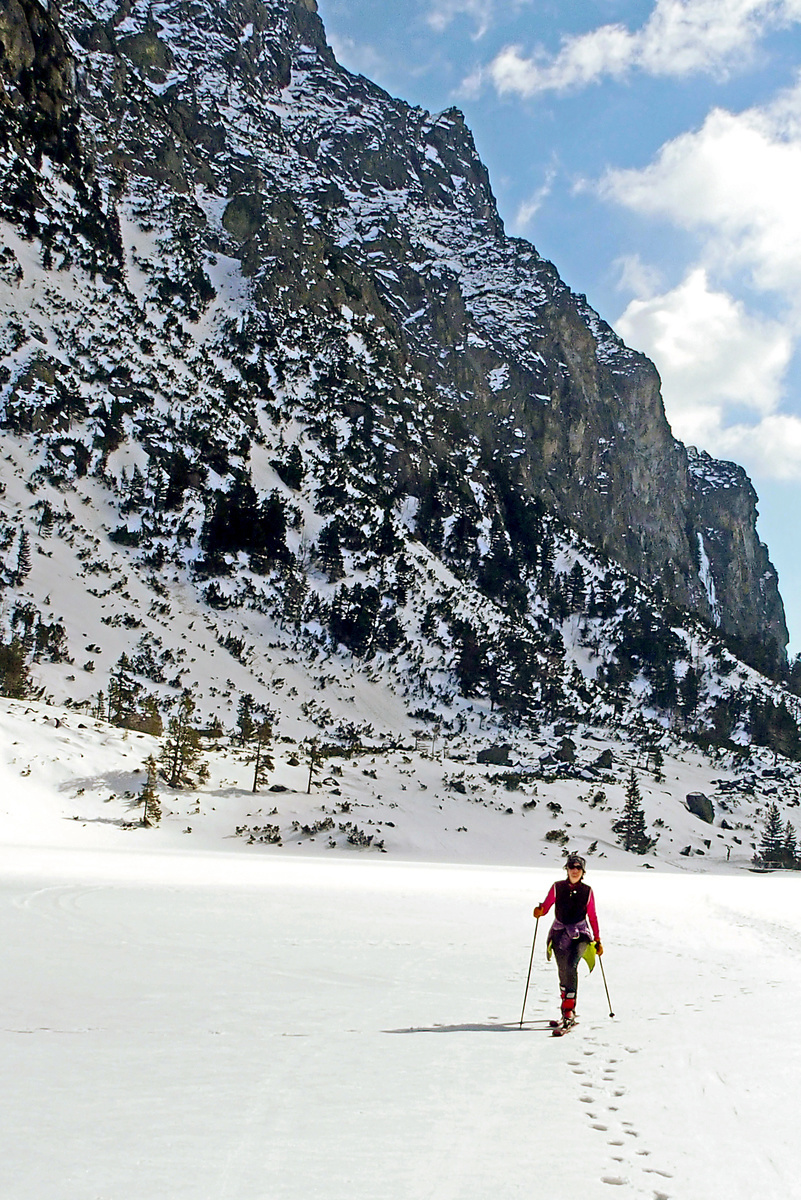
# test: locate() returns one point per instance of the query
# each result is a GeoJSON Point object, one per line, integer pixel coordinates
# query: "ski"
{"type": "Point", "coordinates": [560, 1028]}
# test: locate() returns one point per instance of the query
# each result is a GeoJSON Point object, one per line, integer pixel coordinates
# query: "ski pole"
{"type": "Point", "coordinates": [603, 973]}
{"type": "Point", "coordinates": [528, 979]}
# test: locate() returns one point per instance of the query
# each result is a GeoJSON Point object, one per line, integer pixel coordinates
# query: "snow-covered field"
{"type": "Point", "coordinates": [190, 1015]}
{"type": "Point", "coordinates": [212, 1025]}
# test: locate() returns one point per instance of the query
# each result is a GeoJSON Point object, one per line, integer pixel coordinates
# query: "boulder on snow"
{"type": "Point", "coordinates": [700, 806]}
{"type": "Point", "coordinates": [566, 752]}
{"type": "Point", "coordinates": [604, 760]}
{"type": "Point", "coordinates": [496, 756]}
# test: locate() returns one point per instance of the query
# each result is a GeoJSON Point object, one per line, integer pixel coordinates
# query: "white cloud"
{"type": "Point", "coordinates": [637, 276]}
{"type": "Point", "coordinates": [737, 181]}
{"type": "Point", "coordinates": [681, 37]}
{"type": "Point", "coordinates": [358, 57]}
{"type": "Point", "coordinates": [709, 349]}
{"type": "Point", "coordinates": [528, 209]}
{"type": "Point", "coordinates": [771, 449]}
{"type": "Point", "coordinates": [722, 371]}
{"type": "Point", "coordinates": [443, 12]}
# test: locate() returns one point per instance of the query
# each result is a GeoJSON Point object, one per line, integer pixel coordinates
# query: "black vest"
{"type": "Point", "coordinates": [571, 902]}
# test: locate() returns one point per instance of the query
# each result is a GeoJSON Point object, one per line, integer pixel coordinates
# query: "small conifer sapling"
{"type": "Point", "coordinates": [262, 759]}
{"type": "Point", "coordinates": [151, 813]}
{"type": "Point", "coordinates": [630, 828]}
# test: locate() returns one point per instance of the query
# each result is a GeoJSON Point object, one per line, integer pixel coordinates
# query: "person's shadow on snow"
{"type": "Point", "coordinates": [496, 1027]}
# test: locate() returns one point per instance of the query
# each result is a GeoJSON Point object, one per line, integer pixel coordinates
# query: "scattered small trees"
{"type": "Point", "coordinates": [630, 828]}
{"type": "Point", "coordinates": [774, 726]}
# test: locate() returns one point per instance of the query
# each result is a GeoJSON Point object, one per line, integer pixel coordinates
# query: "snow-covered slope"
{"type": "Point", "coordinates": [413, 783]}
{"type": "Point", "coordinates": [70, 779]}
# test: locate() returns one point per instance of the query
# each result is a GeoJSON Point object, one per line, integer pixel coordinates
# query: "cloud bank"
{"type": "Point", "coordinates": [735, 183]}
{"type": "Point", "coordinates": [680, 38]}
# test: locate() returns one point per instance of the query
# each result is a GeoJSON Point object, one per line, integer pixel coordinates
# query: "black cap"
{"type": "Point", "coordinates": [575, 860]}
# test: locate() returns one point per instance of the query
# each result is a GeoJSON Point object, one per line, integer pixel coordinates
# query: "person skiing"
{"type": "Point", "coordinates": [574, 933]}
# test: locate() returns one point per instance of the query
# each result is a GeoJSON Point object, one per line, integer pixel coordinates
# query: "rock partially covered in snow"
{"type": "Point", "coordinates": [701, 806]}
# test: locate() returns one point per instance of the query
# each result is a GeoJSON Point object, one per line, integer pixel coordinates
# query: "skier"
{"type": "Point", "coordinates": [573, 932]}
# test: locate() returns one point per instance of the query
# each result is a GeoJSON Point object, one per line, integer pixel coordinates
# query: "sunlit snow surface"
{"type": "Point", "coordinates": [204, 1025]}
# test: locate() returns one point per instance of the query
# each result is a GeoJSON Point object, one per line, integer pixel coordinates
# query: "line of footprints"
{"type": "Point", "coordinates": [602, 1108]}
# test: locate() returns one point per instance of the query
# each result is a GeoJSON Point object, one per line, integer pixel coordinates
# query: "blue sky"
{"type": "Point", "coordinates": [652, 150]}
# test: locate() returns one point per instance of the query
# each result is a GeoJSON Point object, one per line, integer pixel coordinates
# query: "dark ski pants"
{"type": "Point", "coordinates": [567, 960]}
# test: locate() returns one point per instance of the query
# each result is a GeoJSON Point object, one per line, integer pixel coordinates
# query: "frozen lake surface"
{"type": "Point", "coordinates": [212, 1026]}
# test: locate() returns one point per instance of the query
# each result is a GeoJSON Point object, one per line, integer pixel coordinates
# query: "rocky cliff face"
{"type": "Point", "coordinates": [237, 241]}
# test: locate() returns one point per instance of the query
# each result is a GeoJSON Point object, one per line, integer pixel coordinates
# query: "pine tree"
{"type": "Point", "coordinates": [630, 826]}
{"type": "Point", "coordinates": [149, 795]}
{"type": "Point", "coordinates": [557, 602]}
{"type": "Point", "coordinates": [547, 555]}
{"type": "Point", "coordinates": [99, 711]}
{"type": "Point", "coordinates": [470, 658]}
{"type": "Point", "coordinates": [262, 758]}
{"type": "Point", "coordinates": [15, 682]}
{"type": "Point", "coordinates": [329, 552]}
{"type": "Point", "coordinates": [135, 496]}
{"type": "Point", "coordinates": [314, 758]}
{"type": "Point", "coordinates": [790, 846]}
{"type": "Point", "coordinates": [123, 690]}
{"type": "Point", "coordinates": [295, 592]}
{"type": "Point", "coordinates": [771, 847]}
{"type": "Point", "coordinates": [46, 521]}
{"type": "Point", "coordinates": [606, 597]}
{"type": "Point", "coordinates": [149, 719]}
{"type": "Point", "coordinates": [291, 470]}
{"type": "Point", "coordinates": [181, 754]}
{"type": "Point", "coordinates": [689, 692]}
{"type": "Point", "coordinates": [576, 588]}
{"type": "Point", "coordinates": [387, 541]}
{"type": "Point", "coordinates": [23, 559]}
{"type": "Point", "coordinates": [245, 725]}
{"type": "Point", "coordinates": [652, 751]}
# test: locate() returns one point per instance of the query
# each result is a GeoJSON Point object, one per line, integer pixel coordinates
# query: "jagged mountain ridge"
{"type": "Point", "coordinates": [263, 251]}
